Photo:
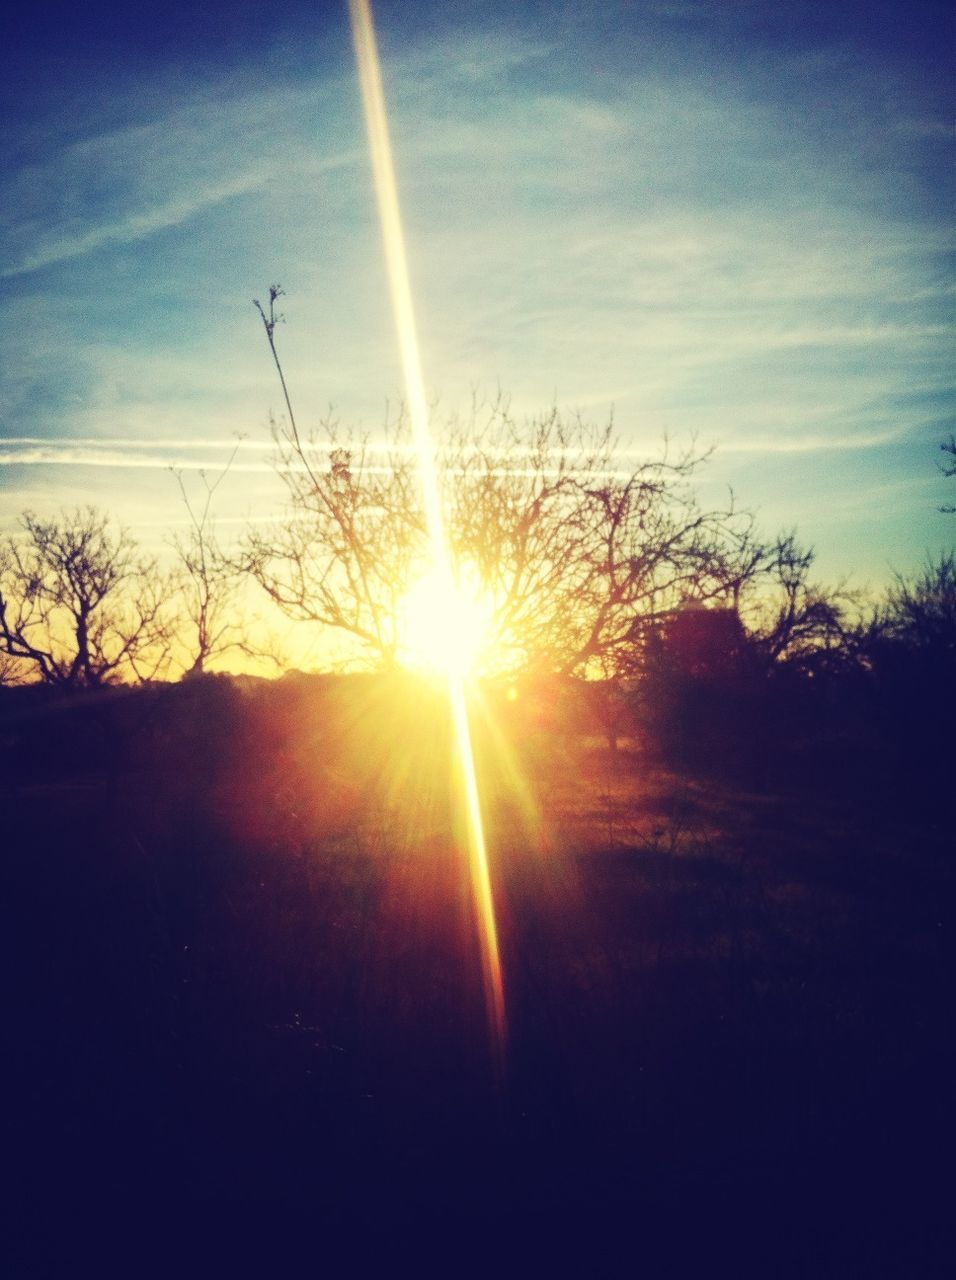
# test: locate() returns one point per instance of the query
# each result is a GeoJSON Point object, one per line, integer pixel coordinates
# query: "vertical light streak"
{"type": "Point", "coordinates": [376, 121]}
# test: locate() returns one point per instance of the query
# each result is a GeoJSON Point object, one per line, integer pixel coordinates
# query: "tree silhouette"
{"type": "Point", "coordinates": [791, 618]}
{"type": "Point", "coordinates": [79, 606]}
{"type": "Point", "coordinates": [569, 544]}
{"type": "Point", "coordinates": [921, 611]}
{"type": "Point", "coordinates": [949, 468]}
{"type": "Point", "coordinates": [570, 541]}
{"type": "Point", "coordinates": [209, 581]}
{"type": "Point", "coordinates": [909, 651]}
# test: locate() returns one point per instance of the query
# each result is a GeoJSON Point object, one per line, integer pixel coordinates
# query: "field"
{"type": "Point", "coordinates": [245, 973]}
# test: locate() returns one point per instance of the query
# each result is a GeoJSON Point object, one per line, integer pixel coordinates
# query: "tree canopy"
{"type": "Point", "coordinates": [79, 604]}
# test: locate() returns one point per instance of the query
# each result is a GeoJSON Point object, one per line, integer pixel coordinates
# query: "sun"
{"type": "Point", "coordinates": [444, 624]}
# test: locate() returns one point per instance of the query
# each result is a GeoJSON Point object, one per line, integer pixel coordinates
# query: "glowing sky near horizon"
{"type": "Point", "coordinates": [724, 220]}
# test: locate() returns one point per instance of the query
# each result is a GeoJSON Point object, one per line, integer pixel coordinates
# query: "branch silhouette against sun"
{"type": "Point", "coordinates": [564, 546]}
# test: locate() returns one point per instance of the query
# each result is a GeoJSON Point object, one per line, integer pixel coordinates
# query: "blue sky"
{"type": "Point", "coordinates": [728, 221]}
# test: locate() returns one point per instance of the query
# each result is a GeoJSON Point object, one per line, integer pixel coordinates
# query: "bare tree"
{"type": "Point", "coordinates": [569, 543]}
{"type": "Point", "coordinates": [908, 649]}
{"type": "Point", "coordinates": [349, 548]}
{"type": "Point", "coordinates": [574, 544]}
{"type": "Point", "coordinates": [949, 468]}
{"type": "Point", "coordinates": [13, 670]}
{"type": "Point", "coordinates": [79, 605]}
{"type": "Point", "coordinates": [920, 612]}
{"type": "Point", "coordinates": [209, 580]}
{"type": "Point", "coordinates": [790, 617]}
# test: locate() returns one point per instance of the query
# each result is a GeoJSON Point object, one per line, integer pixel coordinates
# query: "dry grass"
{"type": "Point", "coordinates": [257, 978]}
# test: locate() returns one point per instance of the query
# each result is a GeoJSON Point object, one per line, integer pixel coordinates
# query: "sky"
{"type": "Point", "coordinates": [723, 222]}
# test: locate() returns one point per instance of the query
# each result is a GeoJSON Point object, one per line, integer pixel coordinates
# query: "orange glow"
{"type": "Point", "coordinates": [441, 575]}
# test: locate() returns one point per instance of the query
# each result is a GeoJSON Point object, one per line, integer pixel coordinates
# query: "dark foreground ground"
{"type": "Point", "coordinates": [245, 992]}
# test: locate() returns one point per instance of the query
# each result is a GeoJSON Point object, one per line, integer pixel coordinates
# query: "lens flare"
{"type": "Point", "coordinates": [442, 569]}
{"type": "Point", "coordinates": [443, 626]}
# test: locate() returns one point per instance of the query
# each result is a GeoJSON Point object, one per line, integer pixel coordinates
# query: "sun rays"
{"type": "Point", "coordinates": [439, 609]}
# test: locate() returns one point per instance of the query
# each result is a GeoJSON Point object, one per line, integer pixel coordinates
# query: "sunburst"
{"type": "Point", "coordinates": [440, 580]}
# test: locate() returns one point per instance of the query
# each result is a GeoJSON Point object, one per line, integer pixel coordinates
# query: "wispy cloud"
{"type": "Point", "coordinates": [811, 443]}
{"type": "Point", "coordinates": [753, 255]}
{"type": "Point", "coordinates": [483, 58]}
{"type": "Point", "coordinates": [134, 226]}
{"type": "Point", "coordinates": [122, 184]}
